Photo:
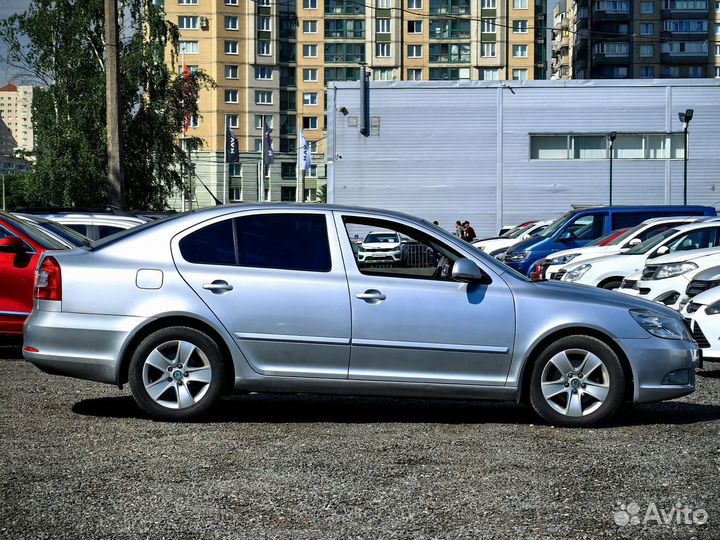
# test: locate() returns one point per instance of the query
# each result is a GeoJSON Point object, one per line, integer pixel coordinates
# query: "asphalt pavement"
{"type": "Point", "coordinates": [80, 460]}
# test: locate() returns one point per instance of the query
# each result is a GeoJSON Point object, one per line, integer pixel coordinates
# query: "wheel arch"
{"type": "Point", "coordinates": [610, 279]}
{"type": "Point", "coordinates": [523, 395]}
{"type": "Point", "coordinates": [175, 320]}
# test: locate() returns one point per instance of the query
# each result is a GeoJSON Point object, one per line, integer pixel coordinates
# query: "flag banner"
{"type": "Point", "coordinates": [232, 149]}
{"type": "Point", "coordinates": [269, 157]}
{"type": "Point", "coordinates": [186, 79]}
{"type": "Point", "coordinates": [304, 159]}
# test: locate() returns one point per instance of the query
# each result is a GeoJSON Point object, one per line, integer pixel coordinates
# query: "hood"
{"type": "Point", "coordinates": [707, 297]}
{"type": "Point", "coordinates": [698, 256]}
{"type": "Point", "coordinates": [709, 274]}
{"type": "Point", "coordinates": [600, 259]}
{"type": "Point", "coordinates": [587, 294]}
{"type": "Point", "coordinates": [527, 245]}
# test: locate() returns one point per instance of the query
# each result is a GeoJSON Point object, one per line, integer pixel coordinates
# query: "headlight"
{"type": "Point", "coordinates": [660, 325]}
{"type": "Point", "coordinates": [517, 256]}
{"type": "Point", "coordinates": [580, 271]}
{"type": "Point", "coordinates": [671, 270]}
{"type": "Point", "coordinates": [498, 253]}
{"type": "Point", "coordinates": [564, 259]}
{"type": "Point", "coordinates": [713, 309]}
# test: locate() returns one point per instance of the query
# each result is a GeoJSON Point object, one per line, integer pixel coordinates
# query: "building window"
{"type": "Point", "coordinates": [187, 23]}
{"type": "Point", "coordinates": [682, 48]}
{"type": "Point", "coordinates": [382, 50]}
{"type": "Point", "coordinates": [189, 47]}
{"type": "Point", "coordinates": [414, 51]}
{"type": "Point", "coordinates": [187, 2]}
{"type": "Point", "coordinates": [414, 74]}
{"type": "Point", "coordinates": [263, 48]}
{"type": "Point", "coordinates": [382, 26]}
{"type": "Point", "coordinates": [263, 97]}
{"type": "Point", "coordinates": [287, 193]}
{"type": "Point", "coordinates": [489, 26]}
{"type": "Point", "coordinates": [686, 26]}
{"type": "Point", "coordinates": [717, 50]}
{"type": "Point", "coordinates": [310, 122]}
{"type": "Point", "coordinates": [696, 71]}
{"type": "Point", "coordinates": [595, 146]}
{"type": "Point", "coordinates": [647, 8]}
{"type": "Point", "coordinates": [647, 29]}
{"type": "Point", "coordinates": [259, 121]}
{"type": "Point", "coordinates": [310, 75]}
{"type": "Point", "coordinates": [310, 99]}
{"type": "Point", "coordinates": [231, 47]}
{"type": "Point", "coordinates": [263, 73]}
{"type": "Point", "coordinates": [194, 121]}
{"type": "Point", "coordinates": [231, 72]}
{"type": "Point", "coordinates": [415, 27]}
{"type": "Point", "coordinates": [489, 4]}
{"type": "Point", "coordinates": [520, 27]}
{"type": "Point", "coordinates": [232, 121]}
{"type": "Point", "coordinates": [449, 52]}
{"type": "Point", "coordinates": [310, 51]}
{"type": "Point", "coordinates": [488, 50]}
{"type": "Point", "coordinates": [717, 29]}
{"type": "Point", "coordinates": [309, 4]}
{"type": "Point", "coordinates": [647, 51]}
{"type": "Point", "coordinates": [414, 4]}
{"type": "Point", "coordinates": [231, 96]}
{"type": "Point", "coordinates": [717, 72]}
{"type": "Point", "coordinates": [384, 4]}
{"type": "Point", "coordinates": [263, 23]}
{"type": "Point", "coordinates": [490, 74]}
{"type": "Point", "coordinates": [312, 173]}
{"type": "Point", "coordinates": [449, 74]}
{"type": "Point", "coordinates": [520, 4]}
{"type": "Point", "coordinates": [520, 51]}
{"type": "Point", "coordinates": [647, 72]}
{"type": "Point", "coordinates": [519, 74]}
{"type": "Point", "coordinates": [310, 27]}
{"type": "Point", "coordinates": [231, 23]}
{"type": "Point", "coordinates": [383, 75]}
{"type": "Point", "coordinates": [231, 2]}
{"type": "Point", "coordinates": [235, 169]}
{"type": "Point", "coordinates": [344, 52]}
{"type": "Point", "coordinates": [235, 192]}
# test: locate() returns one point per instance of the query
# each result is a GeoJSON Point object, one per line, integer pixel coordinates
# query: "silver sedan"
{"type": "Point", "coordinates": [272, 298]}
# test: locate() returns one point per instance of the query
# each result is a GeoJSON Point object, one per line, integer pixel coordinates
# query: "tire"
{"type": "Point", "coordinates": [176, 374]}
{"type": "Point", "coordinates": [583, 399]}
{"type": "Point", "coordinates": [611, 285]}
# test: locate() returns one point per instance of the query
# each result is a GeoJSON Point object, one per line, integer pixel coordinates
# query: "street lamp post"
{"type": "Point", "coordinates": [685, 119]}
{"type": "Point", "coordinates": [611, 140]}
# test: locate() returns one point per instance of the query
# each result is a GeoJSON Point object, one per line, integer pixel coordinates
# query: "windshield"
{"type": "Point", "coordinates": [651, 242]}
{"type": "Point", "coordinates": [381, 238]}
{"type": "Point", "coordinates": [518, 230]}
{"type": "Point", "coordinates": [66, 233]}
{"type": "Point", "coordinates": [557, 225]}
{"type": "Point", "coordinates": [609, 239]}
{"type": "Point", "coordinates": [34, 232]}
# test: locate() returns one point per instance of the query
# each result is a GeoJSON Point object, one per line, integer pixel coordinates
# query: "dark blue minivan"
{"type": "Point", "coordinates": [581, 226]}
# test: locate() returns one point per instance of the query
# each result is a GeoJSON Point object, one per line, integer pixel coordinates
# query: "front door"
{"type": "Point", "coordinates": [276, 280]}
{"type": "Point", "coordinates": [412, 323]}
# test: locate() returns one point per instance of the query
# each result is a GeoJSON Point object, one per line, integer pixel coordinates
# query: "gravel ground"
{"type": "Point", "coordinates": [79, 460]}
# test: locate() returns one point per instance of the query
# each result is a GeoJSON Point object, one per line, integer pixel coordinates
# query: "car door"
{"type": "Point", "coordinates": [276, 281]}
{"type": "Point", "coordinates": [412, 323]}
{"type": "Point", "coordinates": [17, 276]}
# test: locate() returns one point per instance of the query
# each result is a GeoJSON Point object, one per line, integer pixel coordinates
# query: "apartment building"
{"type": "Point", "coordinates": [272, 61]}
{"type": "Point", "coordinates": [16, 131]}
{"type": "Point", "coordinates": [644, 39]}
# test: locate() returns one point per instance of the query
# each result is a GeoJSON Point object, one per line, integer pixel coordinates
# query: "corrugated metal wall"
{"type": "Point", "coordinates": [441, 155]}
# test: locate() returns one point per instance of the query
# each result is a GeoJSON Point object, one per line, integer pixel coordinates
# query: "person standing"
{"type": "Point", "coordinates": [459, 230]}
{"type": "Point", "coordinates": [468, 232]}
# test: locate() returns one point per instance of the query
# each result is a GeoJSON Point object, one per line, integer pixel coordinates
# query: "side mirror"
{"type": "Point", "coordinates": [12, 244]}
{"type": "Point", "coordinates": [466, 271]}
{"type": "Point", "coordinates": [634, 242]}
{"type": "Point", "coordinates": [662, 250]}
{"type": "Point", "coordinates": [566, 236]}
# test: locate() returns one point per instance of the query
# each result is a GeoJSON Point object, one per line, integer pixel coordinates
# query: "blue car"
{"type": "Point", "coordinates": [581, 226]}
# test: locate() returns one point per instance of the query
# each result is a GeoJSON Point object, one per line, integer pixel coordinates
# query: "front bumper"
{"type": "Point", "coordinates": [706, 331]}
{"type": "Point", "coordinates": [86, 346]}
{"type": "Point", "coordinates": [652, 359]}
{"type": "Point", "coordinates": [668, 291]}
{"type": "Point", "coordinates": [379, 256]}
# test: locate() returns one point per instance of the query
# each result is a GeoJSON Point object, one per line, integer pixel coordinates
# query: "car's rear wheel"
{"type": "Point", "coordinates": [176, 373]}
{"type": "Point", "coordinates": [577, 381]}
{"type": "Point", "coordinates": [612, 284]}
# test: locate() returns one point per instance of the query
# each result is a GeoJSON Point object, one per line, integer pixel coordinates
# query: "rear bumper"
{"type": "Point", "coordinates": [85, 346]}
{"type": "Point", "coordinates": [653, 359]}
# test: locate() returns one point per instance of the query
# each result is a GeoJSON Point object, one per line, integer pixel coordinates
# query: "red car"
{"type": "Point", "coordinates": [21, 246]}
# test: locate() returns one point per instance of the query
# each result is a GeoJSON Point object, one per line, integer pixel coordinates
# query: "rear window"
{"type": "Point", "coordinates": [34, 232]}
{"type": "Point", "coordinates": [107, 230]}
{"type": "Point", "coordinates": [213, 244]}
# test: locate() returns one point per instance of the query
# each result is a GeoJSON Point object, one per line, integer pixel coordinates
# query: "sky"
{"type": "Point", "coordinates": [8, 73]}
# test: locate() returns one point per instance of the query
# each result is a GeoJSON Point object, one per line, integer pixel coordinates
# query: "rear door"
{"type": "Point", "coordinates": [276, 281]}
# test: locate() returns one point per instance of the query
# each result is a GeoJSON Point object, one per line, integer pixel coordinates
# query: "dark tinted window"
{"type": "Point", "coordinates": [107, 230]}
{"type": "Point", "coordinates": [82, 229]}
{"type": "Point", "coordinates": [210, 245]}
{"type": "Point", "coordinates": [285, 241]}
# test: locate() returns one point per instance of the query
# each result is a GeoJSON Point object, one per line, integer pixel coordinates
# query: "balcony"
{"type": "Point", "coordinates": [684, 13]}
{"type": "Point", "coordinates": [344, 8]}
{"type": "Point", "coordinates": [560, 42]}
{"type": "Point", "coordinates": [684, 58]}
{"type": "Point", "coordinates": [604, 59]}
{"type": "Point", "coordinates": [449, 7]}
{"type": "Point", "coordinates": [344, 34]}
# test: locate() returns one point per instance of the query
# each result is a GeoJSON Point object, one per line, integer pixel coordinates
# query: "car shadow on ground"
{"type": "Point", "coordinates": [257, 408]}
{"type": "Point", "coordinates": [11, 349]}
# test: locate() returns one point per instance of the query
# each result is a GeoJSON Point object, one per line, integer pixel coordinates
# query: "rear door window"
{"type": "Point", "coordinates": [697, 239]}
{"type": "Point", "coordinates": [213, 244]}
{"type": "Point", "coordinates": [587, 227]}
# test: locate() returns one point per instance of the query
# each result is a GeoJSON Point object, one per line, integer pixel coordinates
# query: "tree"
{"type": "Point", "coordinates": [61, 43]}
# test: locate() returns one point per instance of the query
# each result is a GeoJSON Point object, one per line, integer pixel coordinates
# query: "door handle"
{"type": "Point", "coordinates": [218, 286]}
{"type": "Point", "coordinates": [372, 296]}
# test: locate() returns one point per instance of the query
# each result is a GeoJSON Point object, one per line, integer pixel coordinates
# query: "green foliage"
{"type": "Point", "coordinates": [321, 194]}
{"type": "Point", "coordinates": [61, 42]}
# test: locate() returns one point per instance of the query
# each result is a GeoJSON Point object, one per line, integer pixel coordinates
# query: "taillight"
{"type": "Point", "coordinates": [538, 271]}
{"type": "Point", "coordinates": [48, 280]}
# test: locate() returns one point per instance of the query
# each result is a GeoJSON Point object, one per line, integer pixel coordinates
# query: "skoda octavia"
{"type": "Point", "coordinates": [272, 298]}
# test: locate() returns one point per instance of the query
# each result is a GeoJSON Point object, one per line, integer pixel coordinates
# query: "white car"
{"type": "Point", "coordinates": [703, 316]}
{"type": "Point", "coordinates": [496, 246]}
{"type": "Point", "coordinates": [665, 279]}
{"type": "Point", "coordinates": [702, 281]}
{"type": "Point", "coordinates": [631, 237]}
{"type": "Point", "coordinates": [379, 247]}
{"type": "Point", "coordinates": [609, 271]}
{"type": "Point", "coordinates": [96, 225]}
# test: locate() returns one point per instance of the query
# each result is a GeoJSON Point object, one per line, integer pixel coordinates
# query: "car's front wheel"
{"type": "Point", "coordinates": [176, 373]}
{"type": "Point", "coordinates": [577, 381]}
